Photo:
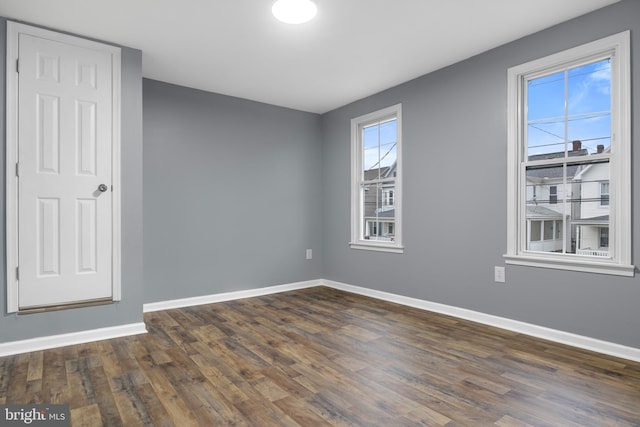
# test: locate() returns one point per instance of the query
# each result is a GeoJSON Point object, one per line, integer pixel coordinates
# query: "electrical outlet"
{"type": "Point", "coordinates": [309, 254]}
{"type": "Point", "coordinates": [499, 274]}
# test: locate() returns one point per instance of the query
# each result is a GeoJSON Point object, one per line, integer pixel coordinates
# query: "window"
{"type": "Point", "coordinates": [569, 160]}
{"type": "Point", "coordinates": [388, 198]}
{"type": "Point", "coordinates": [604, 237]}
{"type": "Point", "coordinates": [604, 194]}
{"type": "Point", "coordinates": [376, 181]}
{"type": "Point", "coordinates": [553, 194]}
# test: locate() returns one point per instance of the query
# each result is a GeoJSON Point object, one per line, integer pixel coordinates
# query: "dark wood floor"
{"type": "Point", "coordinates": [320, 357]}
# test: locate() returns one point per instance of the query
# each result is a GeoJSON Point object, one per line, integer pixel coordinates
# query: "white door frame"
{"type": "Point", "coordinates": [11, 202]}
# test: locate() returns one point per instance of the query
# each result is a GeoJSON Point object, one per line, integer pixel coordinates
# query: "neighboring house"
{"type": "Point", "coordinates": [379, 207]}
{"type": "Point", "coordinates": [592, 226]}
{"type": "Point", "coordinates": [583, 220]}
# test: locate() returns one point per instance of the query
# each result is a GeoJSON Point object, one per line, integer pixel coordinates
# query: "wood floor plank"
{"type": "Point", "coordinates": [324, 357]}
{"type": "Point", "coordinates": [107, 406]}
{"type": "Point", "coordinates": [86, 416]}
{"type": "Point", "coordinates": [17, 386]}
{"type": "Point", "coordinates": [34, 371]}
{"type": "Point", "coordinates": [175, 407]}
{"type": "Point", "coordinates": [300, 412]}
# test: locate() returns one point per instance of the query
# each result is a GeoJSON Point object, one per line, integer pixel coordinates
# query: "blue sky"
{"type": "Point", "coordinates": [583, 113]}
{"type": "Point", "coordinates": [562, 107]}
{"type": "Point", "coordinates": [380, 144]}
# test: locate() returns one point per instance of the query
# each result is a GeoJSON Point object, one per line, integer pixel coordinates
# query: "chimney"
{"type": "Point", "coordinates": [577, 145]}
{"type": "Point", "coordinates": [600, 148]}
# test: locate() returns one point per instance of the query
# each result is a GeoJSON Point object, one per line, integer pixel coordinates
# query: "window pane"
{"type": "Point", "coordinates": [589, 106]}
{"type": "Point", "coordinates": [588, 214]}
{"type": "Point", "coordinates": [378, 214]}
{"type": "Point", "coordinates": [380, 149]}
{"type": "Point", "coordinates": [545, 114]}
{"type": "Point", "coordinates": [546, 96]}
{"type": "Point", "coordinates": [545, 208]}
{"type": "Point", "coordinates": [590, 186]}
{"type": "Point", "coordinates": [592, 240]}
{"type": "Point", "coordinates": [545, 186]}
{"type": "Point", "coordinates": [572, 106]}
{"type": "Point", "coordinates": [589, 88]}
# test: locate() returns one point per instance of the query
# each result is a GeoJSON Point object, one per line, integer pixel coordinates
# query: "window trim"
{"type": "Point", "coordinates": [618, 47]}
{"type": "Point", "coordinates": [357, 218]}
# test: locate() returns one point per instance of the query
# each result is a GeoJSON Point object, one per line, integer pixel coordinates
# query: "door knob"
{"type": "Point", "coordinates": [102, 187]}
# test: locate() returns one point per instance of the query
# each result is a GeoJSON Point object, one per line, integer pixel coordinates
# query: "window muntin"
{"type": "Point", "coordinates": [569, 131]}
{"type": "Point", "coordinates": [376, 181]}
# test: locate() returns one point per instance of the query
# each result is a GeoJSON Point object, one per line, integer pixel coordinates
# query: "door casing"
{"type": "Point", "coordinates": [14, 29]}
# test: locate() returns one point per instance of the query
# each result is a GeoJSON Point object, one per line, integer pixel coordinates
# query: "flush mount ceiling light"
{"type": "Point", "coordinates": [294, 11]}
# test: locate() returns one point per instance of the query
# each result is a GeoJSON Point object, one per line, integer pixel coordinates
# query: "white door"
{"type": "Point", "coordinates": [64, 173]}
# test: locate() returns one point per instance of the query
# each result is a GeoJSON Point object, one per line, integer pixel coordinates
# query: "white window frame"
{"type": "Point", "coordinates": [357, 217]}
{"type": "Point", "coordinates": [617, 47]}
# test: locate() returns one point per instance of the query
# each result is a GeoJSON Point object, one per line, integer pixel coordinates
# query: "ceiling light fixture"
{"type": "Point", "coordinates": [294, 11]}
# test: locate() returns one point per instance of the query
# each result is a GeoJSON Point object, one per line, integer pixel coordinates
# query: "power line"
{"type": "Point", "coordinates": [530, 82]}
{"type": "Point", "coordinates": [571, 117]}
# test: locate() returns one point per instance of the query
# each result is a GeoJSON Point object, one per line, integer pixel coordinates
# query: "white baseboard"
{"type": "Point", "coordinates": [587, 343]}
{"type": "Point", "coordinates": [228, 296]}
{"type": "Point", "coordinates": [53, 341]}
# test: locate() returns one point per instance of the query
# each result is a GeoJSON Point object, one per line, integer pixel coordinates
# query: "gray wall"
{"type": "Point", "coordinates": [232, 193]}
{"type": "Point", "coordinates": [18, 327]}
{"type": "Point", "coordinates": [454, 128]}
{"type": "Point", "coordinates": [235, 191]}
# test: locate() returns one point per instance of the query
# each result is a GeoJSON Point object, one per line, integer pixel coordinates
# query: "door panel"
{"type": "Point", "coordinates": [64, 155]}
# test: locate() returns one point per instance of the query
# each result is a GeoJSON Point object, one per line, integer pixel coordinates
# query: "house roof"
{"type": "Point", "coordinates": [555, 172]}
{"type": "Point", "coordinates": [534, 211]}
{"type": "Point", "coordinates": [390, 213]}
{"type": "Point", "coordinates": [376, 173]}
{"type": "Point", "coordinates": [602, 219]}
{"type": "Point", "coordinates": [585, 170]}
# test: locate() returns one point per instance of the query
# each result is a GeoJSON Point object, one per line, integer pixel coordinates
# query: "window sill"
{"type": "Point", "coordinates": [379, 247]}
{"type": "Point", "coordinates": [586, 265]}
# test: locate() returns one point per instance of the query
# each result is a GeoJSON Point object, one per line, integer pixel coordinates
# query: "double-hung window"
{"type": "Point", "coordinates": [376, 181]}
{"type": "Point", "coordinates": [569, 159]}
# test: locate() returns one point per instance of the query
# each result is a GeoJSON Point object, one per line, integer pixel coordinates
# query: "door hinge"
{"type": "Point", "coordinates": [18, 66]}
{"type": "Point", "coordinates": [17, 169]}
{"type": "Point", "coordinates": [17, 273]}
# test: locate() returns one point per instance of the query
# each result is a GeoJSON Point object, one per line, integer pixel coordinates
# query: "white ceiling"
{"type": "Point", "coordinates": [354, 48]}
